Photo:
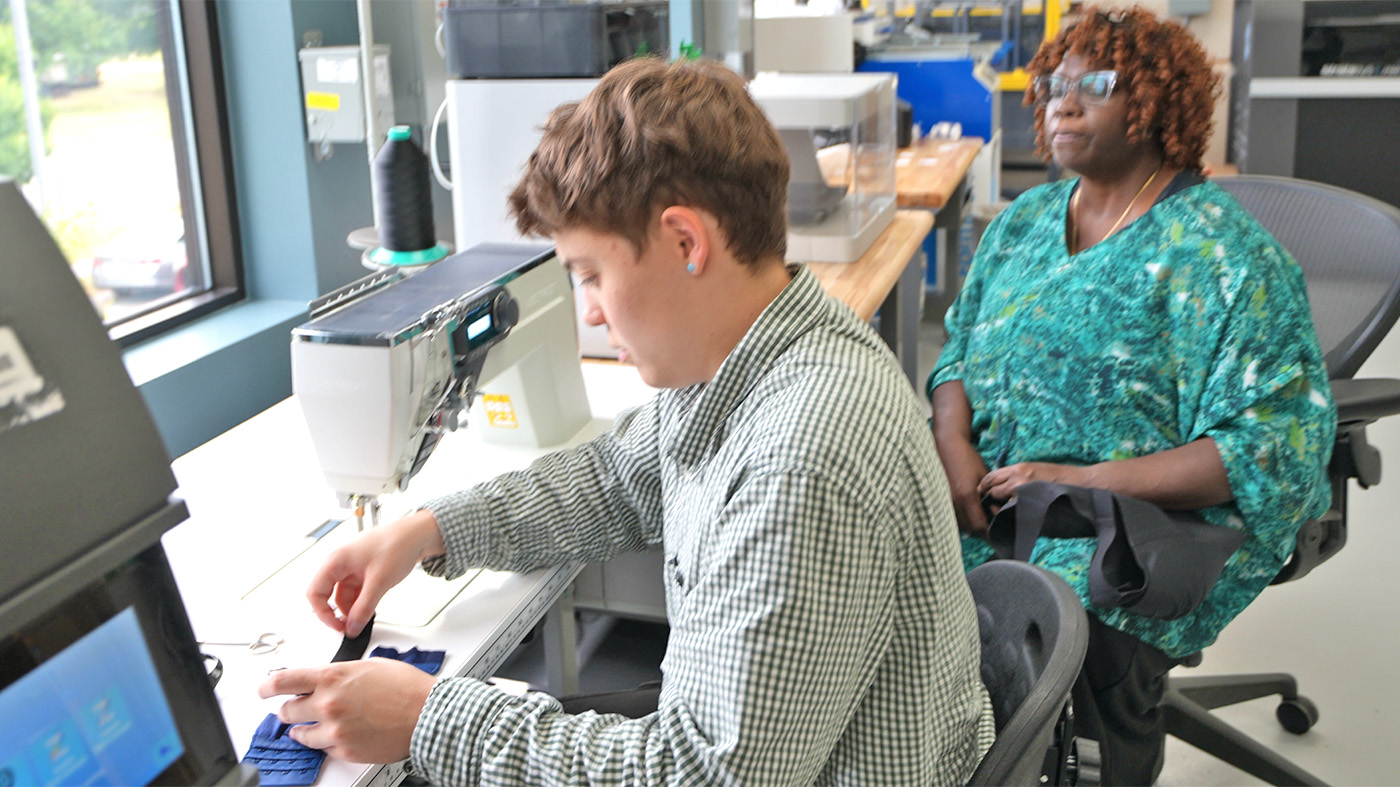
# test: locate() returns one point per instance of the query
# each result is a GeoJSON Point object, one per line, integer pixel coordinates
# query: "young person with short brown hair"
{"type": "Point", "coordinates": [821, 629]}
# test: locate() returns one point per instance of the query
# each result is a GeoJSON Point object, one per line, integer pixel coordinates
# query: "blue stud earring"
{"type": "Point", "coordinates": [690, 267]}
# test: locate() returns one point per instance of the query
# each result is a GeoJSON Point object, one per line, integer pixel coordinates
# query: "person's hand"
{"type": "Point", "coordinates": [362, 711]}
{"type": "Point", "coordinates": [357, 575]}
{"type": "Point", "coordinates": [1001, 484]}
{"type": "Point", "coordinates": [964, 468]}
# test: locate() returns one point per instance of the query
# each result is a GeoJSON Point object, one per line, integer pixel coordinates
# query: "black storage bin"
{"type": "Point", "coordinates": [501, 39]}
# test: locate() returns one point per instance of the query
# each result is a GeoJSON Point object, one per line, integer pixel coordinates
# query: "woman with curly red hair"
{"type": "Point", "coordinates": [1134, 329]}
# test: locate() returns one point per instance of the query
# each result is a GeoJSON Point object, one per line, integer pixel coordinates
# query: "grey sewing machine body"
{"type": "Point", "coordinates": [389, 363]}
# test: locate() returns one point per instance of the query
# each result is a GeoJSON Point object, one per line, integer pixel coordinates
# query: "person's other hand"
{"type": "Point", "coordinates": [965, 468]}
{"type": "Point", "coordinates": [360, 711]}
{"type": "Point", "coordinates": [1001, 484]}
{"type": "Point", "coordinates": [357, 575]}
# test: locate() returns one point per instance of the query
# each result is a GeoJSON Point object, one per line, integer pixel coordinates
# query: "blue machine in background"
{"type": "Point", "coordinates": [954, 85]}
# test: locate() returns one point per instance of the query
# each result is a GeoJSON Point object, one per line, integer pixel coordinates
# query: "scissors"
{"type": "Point", "coordinates": [267, 642]}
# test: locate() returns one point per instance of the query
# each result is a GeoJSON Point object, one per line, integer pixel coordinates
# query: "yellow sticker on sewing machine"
{"type": "Point", "coordinates": [500, 412]}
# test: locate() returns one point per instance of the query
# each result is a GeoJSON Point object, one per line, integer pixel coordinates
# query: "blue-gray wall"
{"type": "Point", "coordinates": [294, 214]}
{"type": "Point", "coordinates": [294, 211]}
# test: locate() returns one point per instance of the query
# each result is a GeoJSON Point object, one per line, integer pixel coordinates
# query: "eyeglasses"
{"type": "Point", "coordinates": [1093, 88]}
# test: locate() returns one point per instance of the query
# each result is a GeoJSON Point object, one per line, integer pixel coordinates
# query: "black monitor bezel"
{"type": "Point", "coordinates": [145, 584]}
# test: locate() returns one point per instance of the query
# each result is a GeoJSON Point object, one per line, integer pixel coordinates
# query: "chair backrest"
{"type": "Point", "coordinates": [1034, 634]}
{"type": "Point", "coordinates": [1348, 246]}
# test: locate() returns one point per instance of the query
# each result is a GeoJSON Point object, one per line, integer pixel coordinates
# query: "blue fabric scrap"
{"type": "Point", "coordinates": [281, 761]}
{"type": "Point", "coordinates": [430, 661]}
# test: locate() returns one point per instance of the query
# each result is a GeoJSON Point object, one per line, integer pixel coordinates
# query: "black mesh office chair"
{"type": "Point", "coordinates": [1349, 248]}
{"type": "Point", "coordinates": [1034, 634]}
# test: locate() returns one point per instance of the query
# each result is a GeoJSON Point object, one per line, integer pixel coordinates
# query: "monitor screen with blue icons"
{"type": "Point", "coordinates": [94, 714]}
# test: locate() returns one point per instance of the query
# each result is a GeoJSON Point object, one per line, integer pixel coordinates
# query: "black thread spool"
{"type": "Point", "coordinates": [403, 197]}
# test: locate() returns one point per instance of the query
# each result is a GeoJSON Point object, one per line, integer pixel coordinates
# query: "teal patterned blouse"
{"type": "Point", "coordinates": [1191, 322]}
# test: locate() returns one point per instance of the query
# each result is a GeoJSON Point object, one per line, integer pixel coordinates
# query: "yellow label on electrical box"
{"type": "Point", "coordinates": [500, 412]}
{"type": "Point", "coordinates": [327, 101]}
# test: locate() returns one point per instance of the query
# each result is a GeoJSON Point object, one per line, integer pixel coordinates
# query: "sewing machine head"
{"type": "Point", "coordinates": [391, 362]}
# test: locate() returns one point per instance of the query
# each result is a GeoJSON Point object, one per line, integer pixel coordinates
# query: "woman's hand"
{"type": "Point", "coordinates": [357, 575]}
{"type": "Point", "coordinates": [952, 437]}
{"type": "Point", "coordinates": [1001, 484]}
{"type": "Point", "coordinates": [1178, 479]}
{"type": "Point", "coordinates": [964, 468]}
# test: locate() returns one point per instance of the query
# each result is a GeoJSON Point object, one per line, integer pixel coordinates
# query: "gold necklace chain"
{"type": "Point", "coordinates": [1074, 211]}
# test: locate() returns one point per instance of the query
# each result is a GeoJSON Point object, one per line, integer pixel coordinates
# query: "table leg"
{"type": "Point", "coordinates": [560, 647]}
{"type": "Point", "coordinates": [900, 315]}
{"type": "Point", "coordinates": [949, 219]}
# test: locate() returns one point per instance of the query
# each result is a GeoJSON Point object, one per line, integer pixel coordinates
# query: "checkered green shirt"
{"type": "Point", "coordinates": [821, 628]}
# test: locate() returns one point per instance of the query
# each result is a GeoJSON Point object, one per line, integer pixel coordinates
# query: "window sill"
{"type": "Point", "coordinates": [212, 374]}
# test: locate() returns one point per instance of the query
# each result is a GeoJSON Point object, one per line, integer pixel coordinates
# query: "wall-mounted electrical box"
{"type": "Point", "coordinates": [334, 97]}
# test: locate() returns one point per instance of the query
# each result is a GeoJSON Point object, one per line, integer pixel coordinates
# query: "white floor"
{"type": "Point", "coordinates": [1337, 631]}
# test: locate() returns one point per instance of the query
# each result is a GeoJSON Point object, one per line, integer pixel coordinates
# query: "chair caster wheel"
{"type": "Point", "coordinates": [1297, 715]}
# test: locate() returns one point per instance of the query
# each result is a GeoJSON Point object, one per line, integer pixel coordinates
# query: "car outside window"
{"type": "Point", "coordinates": [98, 131]}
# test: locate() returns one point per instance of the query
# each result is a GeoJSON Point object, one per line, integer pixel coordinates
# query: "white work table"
{"type": "Point", "coordinates": [256, 494]}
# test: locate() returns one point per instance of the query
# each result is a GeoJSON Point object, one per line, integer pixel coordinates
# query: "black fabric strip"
{"type": "Point", "coordinates": [354, 649]}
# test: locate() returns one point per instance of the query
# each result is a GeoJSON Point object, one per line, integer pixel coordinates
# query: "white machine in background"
{"type": "Point", "coordinates": [839, 131]}
{"type": "Point", "coordinates": [805, 44]}
{"type": "Point", "coordinates": [387, 365]}
{"type": "Point", "coordinates": [494, 125]}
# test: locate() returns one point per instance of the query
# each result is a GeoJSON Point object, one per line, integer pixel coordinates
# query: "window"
{"type": "Point", "coordinates": [132, 175]}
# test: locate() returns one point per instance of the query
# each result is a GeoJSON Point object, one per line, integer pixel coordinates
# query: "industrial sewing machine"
{"type": "Point", "coordinates": [388, 364]}
{"type": "Point", "coordinates": [391, 362]}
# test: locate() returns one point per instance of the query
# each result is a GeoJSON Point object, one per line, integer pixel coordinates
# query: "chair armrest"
{"type": "Point", "coordinates": [1359, 403]}
{"type": "Point", "coordinates": [1364, 401]}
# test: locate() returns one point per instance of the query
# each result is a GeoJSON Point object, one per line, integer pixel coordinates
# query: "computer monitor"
{"type": "Point", "coordinates": [108, 688]}
{"type": "Point", "coordinates": [92, 713]}
{"type": "Point", "coordinates": [101, 681]}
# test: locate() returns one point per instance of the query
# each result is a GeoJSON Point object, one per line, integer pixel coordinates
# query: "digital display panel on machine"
{"type": "Point", "coordinates": [478, 326]}
{"type": "Point", "coordinates": [93, 713]}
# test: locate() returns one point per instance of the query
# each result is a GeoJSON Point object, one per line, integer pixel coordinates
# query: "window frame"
{"type": "Point", "coordinates": [210, 151]}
